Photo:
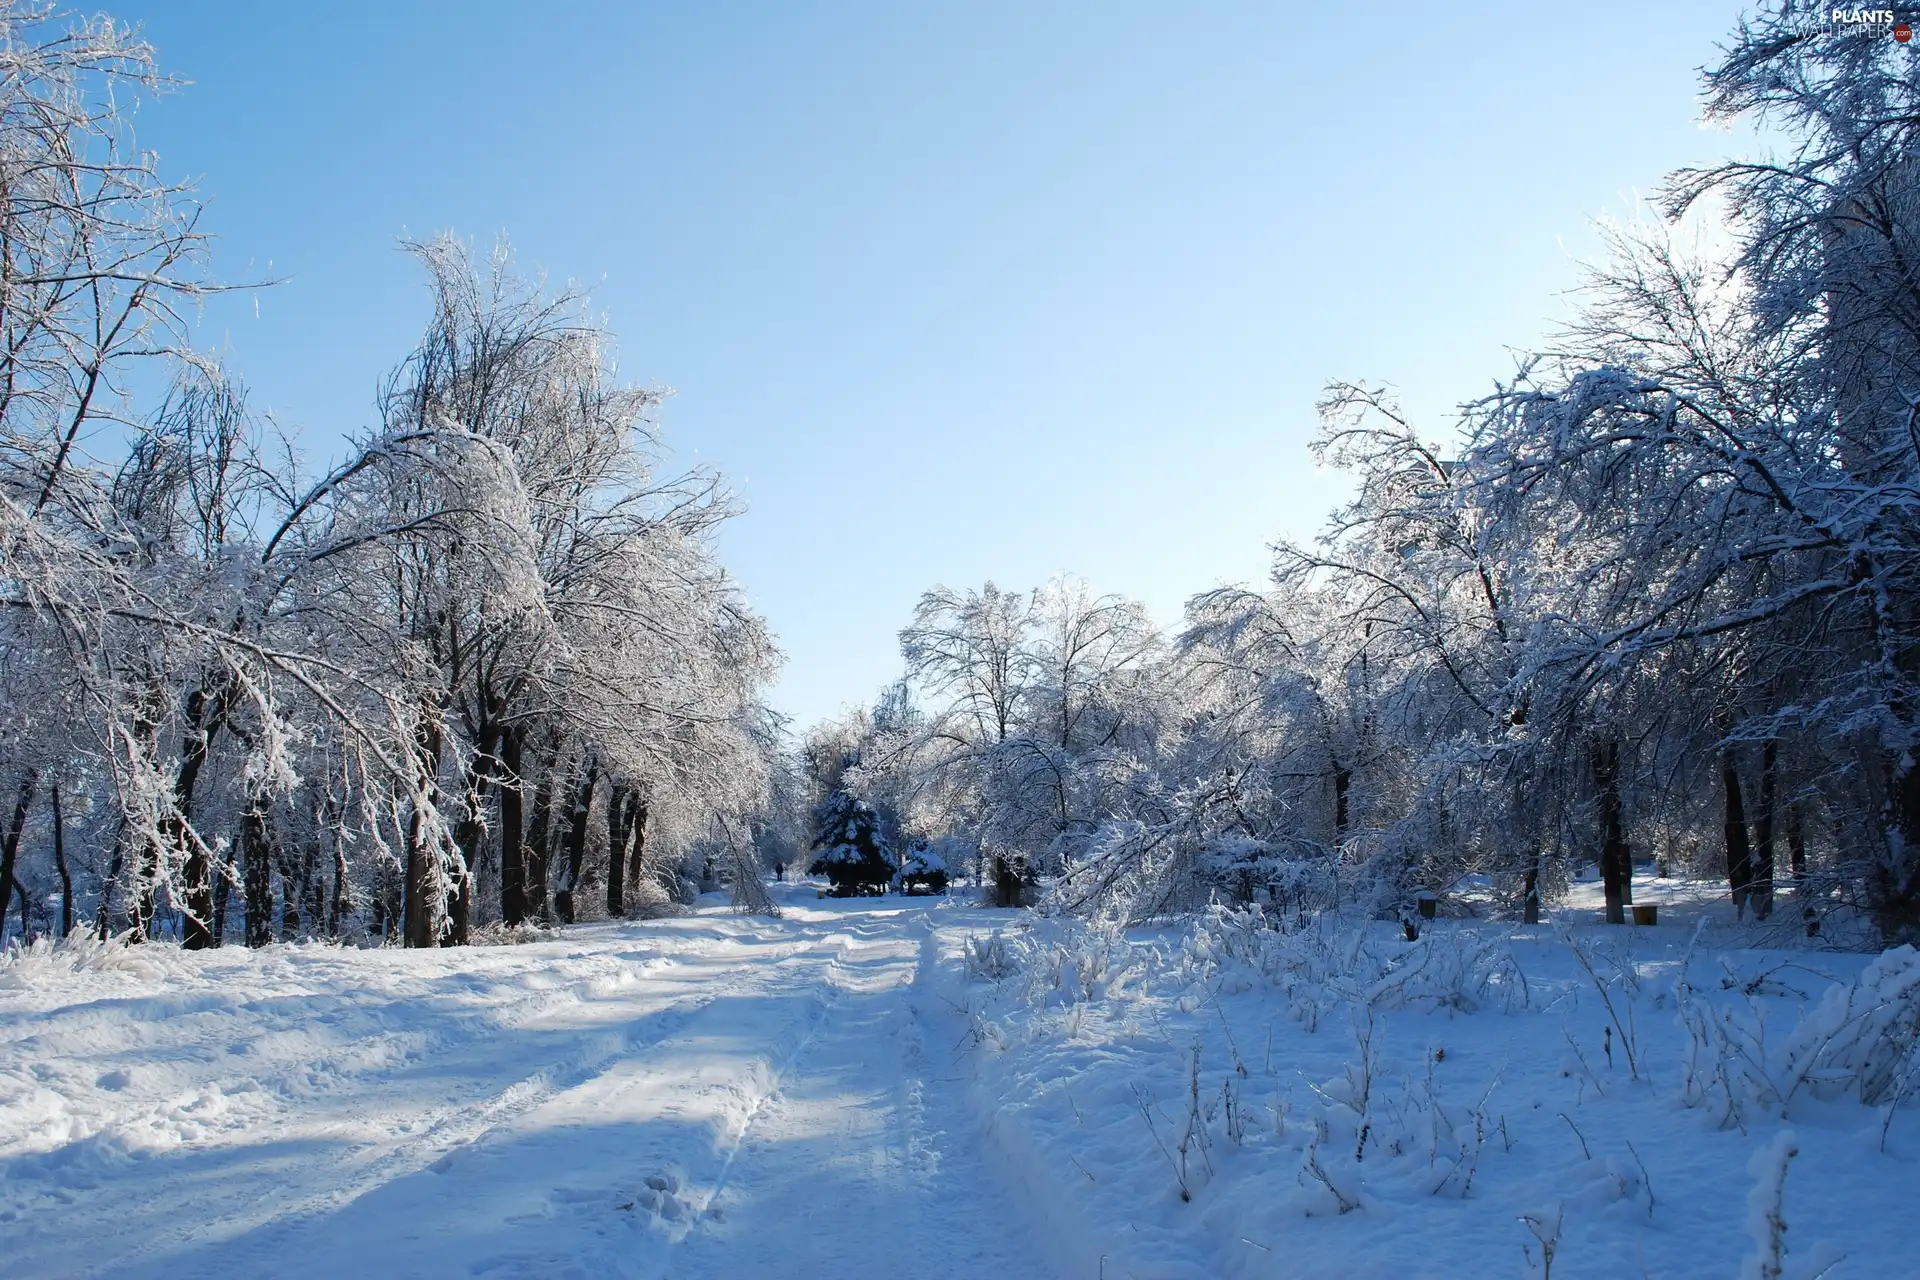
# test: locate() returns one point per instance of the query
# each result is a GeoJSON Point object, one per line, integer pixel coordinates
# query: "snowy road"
{"type": "Point", "coordinates": [711, 1096]}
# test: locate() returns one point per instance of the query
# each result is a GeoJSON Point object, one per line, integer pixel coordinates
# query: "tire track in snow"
{"type": "Point", "coordinates": [857, 1121]}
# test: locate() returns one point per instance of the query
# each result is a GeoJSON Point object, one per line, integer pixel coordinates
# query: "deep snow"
{"type": "Point", "coordinates": [879, 1089]}
{"type": "Point", "coordinates": [705, 1096]}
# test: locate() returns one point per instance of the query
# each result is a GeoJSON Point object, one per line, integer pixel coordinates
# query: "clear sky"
{"type": "Point", "coordinates": [953, 292]}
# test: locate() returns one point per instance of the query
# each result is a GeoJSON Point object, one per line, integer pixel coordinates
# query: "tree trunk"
{"type": "Point", "coordinates": [295, 876]}
{"type": "Point", "coordinates": [1739, 855]}
{"type": "Point", "coordinates": [425, 903]}
{"type": "Point", "coordinates": [222, 893]}
{"type": "Point", "coordinates": [619, 824]}
{"type": "Point", "coordinates": [1616, 859]}
{"type": "Point", "coordinates": [146, 875]}
{"type": "Point", "coordinates": [60, 866]}
{"type": "Point", "coordinates": [386, 901]}
{"type": "Point", "coordinates": [513, 795]}
{"type": "Point", "coordinates": [468, 833]}
{"type": "Point", "coordinates": [10, 848]}
{"type": "Point", "coordinates": [339, 903]}
{"type": "Point", "coordinates": [146, 730]}
{"type": "Point", "coordinates": [114, 868]}
{"type": "Point", "coordinates": [1797, 848]}
{"type": "Point", "coordinates": [1006, 882]}
{"type": "Point", "coordinates": [177, 830]}
{"type": "Point", "coordinates": [1760, 894]}
{"type": "Point", "coordinates": [1893, 883]}
{"type": "Point", "coordinates": [458, 929]}
{"type": "Point", "coordinates": [313, 886]}
{"type": "Point", "coordinates": [204, 715]}
{"type": "Point", "coordinates": [1342, 787]}
{"type": "Point", "coordinates": [539, 851]}
{"type": "Point", "coordinates": [574, 841]}
{"type": "Point", "coordinates": [256, 872]}
{"type": "Point", "coordinates": [1530, 890]}
{"type": "Point", "coordinates": [637, 842]}
{"type": "Point", "coordinates": [1797, 859]}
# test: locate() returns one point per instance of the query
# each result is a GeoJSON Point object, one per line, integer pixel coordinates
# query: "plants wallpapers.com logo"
{"type": "Point", "coordinates": [1870, 22]}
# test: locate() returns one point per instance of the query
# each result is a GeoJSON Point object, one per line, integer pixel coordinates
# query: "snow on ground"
{"type": "Point", "coordinates": [705, 1096]}
{"type": "Point", "coordinates": [884, 1088]}
{"type": "Point", "coordinates": [1489, 1085]}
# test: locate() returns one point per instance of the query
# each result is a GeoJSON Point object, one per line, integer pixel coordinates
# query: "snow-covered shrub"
{"type": "Point", "coordinates": [922, 870]}
{"type": "Point", "coordinates": [1239, 862]}
{"type": "Point", "coordinates": [84, 951]}
{"type": "Point", "coordinates": [1863, 1037]}
{"type": "Point", "coordinates": [496, 933]}
{"type": "Point", "coordinates": [1862, 1040]}
{"type": "Point", "coordinates": [1373, 1128]}
{"type": "Point", "coordinates": [991, 958]}
{"type": "Point", "coordinates": [1333, 962]}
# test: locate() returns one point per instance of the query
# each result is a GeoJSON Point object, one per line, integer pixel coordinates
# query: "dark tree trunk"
{"type": "Point", "coordinates": [1739, 854]}
{"type": "Point", "coordinates": [513, 793]}
{"type": "Point", "coordinates": [256, 872]}
{"type": "Point", "coordinates": [338, 905]}
{"type": "Point", "coordinates": [1760, 893]}
{"type": "Point", "coordinates": [1797, 860]}
{"type": "Point", "coordinates": [60, 865]}
{"type": "Point", "coordinates": [114, 868]}
{"type": "Point", "coordinates": [26, 924]}
{"type": "Point", "coordinates": [540, 832]}
{"type": "Point", "coordinates": [637, 842]}
{"type": "Point", "coordinates": [1616, 859]}
{"type": "Point", "coordinates": [425, 889]}
{"type": "Point", "coordinates": [313, 885]}
{"type": "Point", "coordinates": [386, 901]}
{"type": "Point", "coordinates": [1007, 884]}
{"type": "Point", "coordinates": [204, 715]}
{"type": "Point", "coordinates": [1893, 887]}
{"type": "Point", "coordinates": [222, 894]}
{"type": "Point", "coordinates": [1342, 789]}
{"type": "Point", "coordinates": [619, 823]}
{"type": "Point", "coordinates": [573, 842]}
{"type": "Point", "coordinates": [146, 858]}
{"type": "Point", "coordinates": [1797, 847]}
{"type": "Point", "coordinates": [458, 929]}
{"type": "Point", "coordinates": [294, 878]}
{"type": "Point", "coordinates": [10, 847]}
{"type": "Point", "coordinates": [469, 833]}
{"type": "Point", "coordinates": [1530, 890]}
{"type": "Point", "coordinates": [146, 874]}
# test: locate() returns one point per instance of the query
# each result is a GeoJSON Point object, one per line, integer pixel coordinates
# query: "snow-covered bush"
{"type": "Point", "coordinates": [84, 951]}
{"type": "Point", "coordinates": [1332, 962]}
{"type": "Point", "coordinates": [1861, 1041]}
{"type": "Point", "coordinates": [992, 958]}
{"type": "Point", "coordinates": [922, 869]}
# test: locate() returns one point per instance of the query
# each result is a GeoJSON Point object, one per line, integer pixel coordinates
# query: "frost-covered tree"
{"type": "Point", "coordinates": [1037, 710]}
{"type": "Point", "coordinates": [492, 641]}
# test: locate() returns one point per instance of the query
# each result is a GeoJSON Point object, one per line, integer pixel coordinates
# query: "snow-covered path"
{"type": "Point", "coordinates": [710, 1096]}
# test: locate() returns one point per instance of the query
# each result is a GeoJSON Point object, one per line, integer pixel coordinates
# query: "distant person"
{"type": "Point", "coordinates": [780, 871]}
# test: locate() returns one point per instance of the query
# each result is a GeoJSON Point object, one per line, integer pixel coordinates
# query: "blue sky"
{"type": "Point", "coordinates": [952, 292]}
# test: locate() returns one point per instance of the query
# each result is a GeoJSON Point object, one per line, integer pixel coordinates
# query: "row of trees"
{"type": "Point", "coordinates": [1658, 597]}
{"type": "Point", "coordinates": [485, 669]}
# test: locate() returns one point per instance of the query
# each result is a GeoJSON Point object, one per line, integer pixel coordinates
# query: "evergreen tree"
{"type": "Point", "coordinates": [853, 855]}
